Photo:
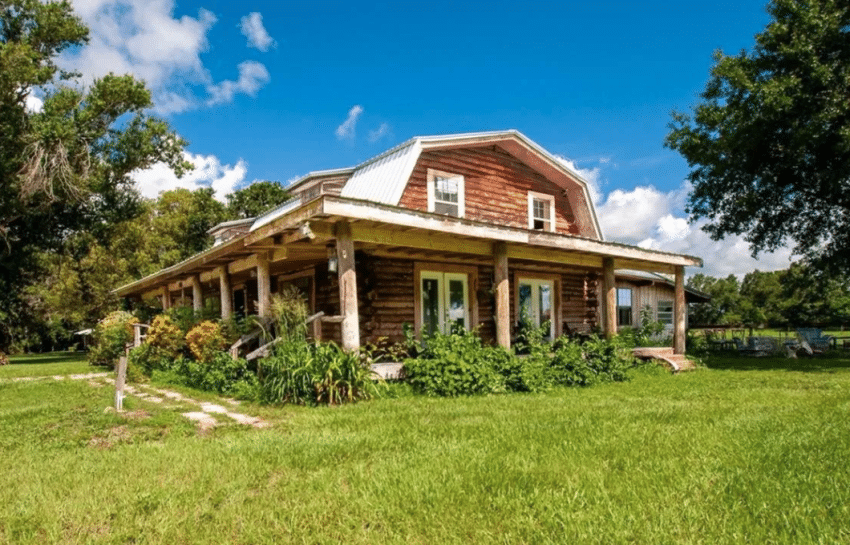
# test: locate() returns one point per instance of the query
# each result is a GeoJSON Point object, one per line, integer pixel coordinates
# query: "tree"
{"type": "Point", "coordinates": [255, 199]}
{"type": "Point", "coordinates": [769, 145]}
{"type": "Point", "coordinates": [724, 308]}
{"type": "Point", "coordinates": [64, 169]}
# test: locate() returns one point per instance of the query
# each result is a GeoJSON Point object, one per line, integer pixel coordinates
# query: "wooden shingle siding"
{"type": "Point", "coordinates": [496, 187]}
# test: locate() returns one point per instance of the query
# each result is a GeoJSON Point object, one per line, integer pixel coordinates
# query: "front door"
{"type": "Point", "coordinates": [444, 301]}
{"type": "Point", "coordinates": [535, 302]}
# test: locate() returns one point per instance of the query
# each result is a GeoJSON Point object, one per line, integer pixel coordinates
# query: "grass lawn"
{"type": "Point", "coordinates": [748, 450]}
{"type": "Point", "coordinates": [41, 365]}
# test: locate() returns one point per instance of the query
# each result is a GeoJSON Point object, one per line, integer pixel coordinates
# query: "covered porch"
{"type": "Point", "coordinates": [371, 268]}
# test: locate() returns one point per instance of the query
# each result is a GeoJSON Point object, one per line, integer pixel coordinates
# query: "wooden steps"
{"type": "Point", "coordinates": [665, 356]}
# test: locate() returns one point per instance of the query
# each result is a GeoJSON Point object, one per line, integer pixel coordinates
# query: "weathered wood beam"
{"type": "Point", "coordinates": [503, 298]}
{"type": "Point", "coordinates": [197, 293]}
{"type": "Point", "coordinates": [609, 298]}
{"type": "Point", "coordinates": [347, 287]}
{"type": "Point", "coordinates": [166, 297]}
{"type": "Point", "coordinates": [264, 286]}
{"type": "Point", "coordinates": [679, 309]}
{"type": "Point", "coordinates": [226, 293]}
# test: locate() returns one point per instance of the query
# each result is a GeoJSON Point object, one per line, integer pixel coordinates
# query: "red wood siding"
{"type": "Point", "coordinates": [496, 186]}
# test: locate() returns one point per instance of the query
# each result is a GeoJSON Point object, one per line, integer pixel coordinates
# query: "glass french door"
{"type": "Point", "coordinates": [536, 301]}
{"type": "Point", "coordinates": [444, 301]}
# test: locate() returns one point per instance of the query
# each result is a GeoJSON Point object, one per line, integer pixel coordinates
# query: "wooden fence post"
{"type": "Point", "coordinates": [120, 379]}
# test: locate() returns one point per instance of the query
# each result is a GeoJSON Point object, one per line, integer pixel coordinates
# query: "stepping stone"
{"type": "Point", "coordinates": [205, 421]}
{"type": "Point", "coordinates": [212, 408]}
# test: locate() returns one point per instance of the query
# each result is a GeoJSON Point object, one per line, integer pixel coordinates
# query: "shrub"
{"type": "Point", "coordinates": [165, 336]}
{"type": "Point", "coordinates": [110, 337]}
{"type": "Point", "coordinates": [205, 341]}
{"type": "Point", "coordinates": [303, 373]}
{"type": "Point", "coordinates": [4, 359]}
{"type": "Point", "coordinates": [222, 374]}
{"type": "Point", "coordinates": [454, 365]}
{"type": "Point", "coordinates": [595, 361]}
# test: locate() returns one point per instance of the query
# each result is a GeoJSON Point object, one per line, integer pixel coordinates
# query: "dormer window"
{"type": "Point", "coordinates": [541, 211]}
{"type": "Point", "coordinates": [445, 193]}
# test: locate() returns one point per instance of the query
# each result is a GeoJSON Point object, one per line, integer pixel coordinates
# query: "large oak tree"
{"type": "Point", "coordinates": [769, 143]}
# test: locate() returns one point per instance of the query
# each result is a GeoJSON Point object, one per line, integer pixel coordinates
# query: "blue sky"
{"type": "Point", "coordinates": [263, 90]}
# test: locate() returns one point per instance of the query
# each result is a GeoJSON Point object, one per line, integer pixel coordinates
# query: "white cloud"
{"type": "Point", "coordinates": [650, 218]}
{"type": "Point", "coordinates": [380, 132]}
{"type": "Point", "coordinates": [143, 38]}
{"type": "Point", "coordinates": [34, 104]}
{"type": "Point", "coordinates": [348, 129]}
{"type": "Point", "coordinates": [593, 176]}
{"type": "Point", "coordinates": [208, 172]}
{"type": "Point", "coordinates": [253, 29]}
{"type": "Point", "coordinates": [252, 77]}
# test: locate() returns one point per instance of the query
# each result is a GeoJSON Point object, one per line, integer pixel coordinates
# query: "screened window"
{"type": "Point", "coordinates": [445, 193]}
{"type": "Point", "coordinates": [665, 312]}
{"type": "Point", "coordinates": [624, 306]}
{"type": "Point", "coordinates": [541, 211]}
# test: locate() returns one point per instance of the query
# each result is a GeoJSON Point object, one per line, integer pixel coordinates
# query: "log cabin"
{"type": "Point", "coordinates": [471, 230]}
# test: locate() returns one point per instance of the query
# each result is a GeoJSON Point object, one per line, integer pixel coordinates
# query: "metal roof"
{"type": "Point", "coordinates": [275, 213]}
{"type": "Point", "coordinates": [383, 178]}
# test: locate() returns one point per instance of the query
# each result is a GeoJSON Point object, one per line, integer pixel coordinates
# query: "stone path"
{"type": "Point", "coordinates": [204, 418]}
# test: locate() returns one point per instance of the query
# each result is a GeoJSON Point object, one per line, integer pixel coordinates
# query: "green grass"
{"type": "Point", "coordinates": [41, 365]}
{"type": "Point", "coordinates": [747, 450]}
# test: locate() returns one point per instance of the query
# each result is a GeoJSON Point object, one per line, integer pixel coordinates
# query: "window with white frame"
{"type": "Point", "coordinates": [536, 303]}
{"type": "Point", "coordinates": [541, 211]}
{"type": "Point", "coordinates": [445, 193]}
{"type": "Point", "coordinates": [665, 312]}
{"type": "Point", "coordinates": [444, 301]}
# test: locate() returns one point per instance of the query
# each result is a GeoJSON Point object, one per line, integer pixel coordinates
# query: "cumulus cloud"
{"type": "Point", "coordinates": [208, 172]}
{"type": "Point", "coordinates": [649, 218]}
{"type": "Point", "coordinates": [348, 129]}
{"type": "Point", "coordinates": [593, 176]}
{"type": "Point", "coordinates": [34, 104]}
{"type": "Point", "coordinates": [252, 77]}
{"type": "Point", "coordinates": [253, 29]}
{"type": "Point", "coordinates": [382, 131]}
{"type": "Point", "coordinates": [143, 38]}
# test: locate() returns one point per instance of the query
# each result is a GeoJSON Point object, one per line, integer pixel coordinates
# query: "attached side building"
{"type": "Point", "coordinates": [469, 230]}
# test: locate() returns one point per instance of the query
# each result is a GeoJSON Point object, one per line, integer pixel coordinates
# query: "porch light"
{"type": "Point", "coordinates": [333, 261]}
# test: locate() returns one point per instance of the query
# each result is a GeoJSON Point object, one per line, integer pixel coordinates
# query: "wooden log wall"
{"type": "Point", "coordinates": [496, 186]}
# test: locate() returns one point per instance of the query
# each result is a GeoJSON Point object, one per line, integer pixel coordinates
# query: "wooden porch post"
{"type": "Point", "coordinates": [347, 287]}
{"type": "Point", "coordinates": [609, 297]}
{"type": "Point", "coordinates": [503, 298]}
{"type": "Point", "coordinates": [226, 293]}
{"type": "Point", "coordinates": [197, 294]}
{"type": "Point", "coordinates": [166, 297]}
{"type": "Point", "coordinates": [679, 307]}
{"type": "Point", "coordinates": [264, 286]}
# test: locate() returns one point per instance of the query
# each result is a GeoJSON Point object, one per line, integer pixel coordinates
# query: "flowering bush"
{"type": "Point", "coordinates": [205, 340]}
{"type": "Point", "coordinates": [110, 337]}
{"type": "Point", "coordinates": [165, 336]}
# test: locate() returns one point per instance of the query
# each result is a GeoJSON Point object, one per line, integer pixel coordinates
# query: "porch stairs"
{"type": "Point", "coordinates": [666, 357]}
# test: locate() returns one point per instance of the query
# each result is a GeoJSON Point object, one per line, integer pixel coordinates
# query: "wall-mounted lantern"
{"type": "Point", "coordinates": [333, 261]}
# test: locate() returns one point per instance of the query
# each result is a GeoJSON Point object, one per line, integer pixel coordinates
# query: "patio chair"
{"type": "Point", "coordinates": [815, 338]}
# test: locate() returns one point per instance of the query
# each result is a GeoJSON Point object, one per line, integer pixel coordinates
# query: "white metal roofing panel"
{"type": "Point", "coordinates": [384, 178]}
{"type": "Point", "coordinates": [272, 215]}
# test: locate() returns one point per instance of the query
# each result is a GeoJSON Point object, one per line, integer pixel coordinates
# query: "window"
{"type": "Point", "coordinates": [624, 306]}
{"type": "Point", "coordinates": [665, 312]}
{"type": "Point", "coordinates": [536, 302]}
{"type": "Point", "coordinates": [445, 193]}
{"type": "Point", "coordinates": [444, 300]}
{"type": "Point", "coordinates": [541, 211]}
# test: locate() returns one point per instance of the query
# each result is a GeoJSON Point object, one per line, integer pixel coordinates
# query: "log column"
{"type": "Point", "coordinates": [264, 286]}
{"type": "Point", "coordinates": [609, 297]}
{"type": "Point", "coordinates": [166, 297]}
{"type": "Point", "coordinates": [197, 293]}
{"type": "Point", "coordinates": [503, 298]}
{"type": "Point", "coordinates": [679, 307]}
{"type": "Point", "coordinates": [226, 293]}
{"type": "Point", "coordinates": [347, 287]}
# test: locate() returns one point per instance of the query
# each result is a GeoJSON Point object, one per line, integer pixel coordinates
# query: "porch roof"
{"type": "Point", "coordinates": [301, 232]}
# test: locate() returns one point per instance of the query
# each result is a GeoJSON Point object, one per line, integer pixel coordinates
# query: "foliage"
{"type": "Point", "coordinates": [594, 361]}
{"type": "Point", "coordinates": [221, 374]}
{"type": "Point", "coordinates": [65, 169]}
{"type": "Point", "coordinates": [4, 359]}
{"type": "Point", "coordinates": [254, 200]}
{"type": "Point", "coordinates": [647, 333]}
{"type": "Point", "coordinates": [165, 337]}
{"type": "Point", "coordinates": [110, 337]}
{"type": "Point", "coordinates": [205, 341]}
{"type": "Point", "coordinates": [289, 315]}
{"type": "Point", "coordinates": [456, 364]}
{"type": "Point", "coordinates": [301, 373]}
{"type": "Point", "coordinates": [149, 358]}
{"type": "Point", "coordinates": [769, 144]}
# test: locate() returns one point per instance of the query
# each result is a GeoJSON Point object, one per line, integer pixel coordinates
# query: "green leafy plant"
{"type": "Point", "coordinates": [594, 361]}
{"type": "Point", "coordinates": [110, 337]}
{"type": "Point", "coordinates": [165, 336]}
